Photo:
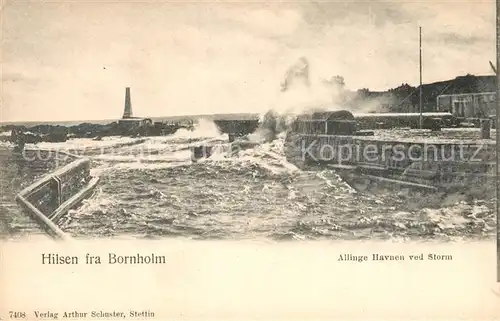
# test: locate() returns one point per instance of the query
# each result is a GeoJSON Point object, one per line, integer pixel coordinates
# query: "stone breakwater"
{"type": "Point", "coordinates": [58, 133]}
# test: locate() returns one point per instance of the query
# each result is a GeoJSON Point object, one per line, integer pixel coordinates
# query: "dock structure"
{"type": "Point", "coordinates": [49, 198]}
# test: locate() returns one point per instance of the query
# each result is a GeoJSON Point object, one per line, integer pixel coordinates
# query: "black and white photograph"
{"type": "Point", "coordinates": [281, 121]}
{"type": "Point", "coordinates": [263, 160]}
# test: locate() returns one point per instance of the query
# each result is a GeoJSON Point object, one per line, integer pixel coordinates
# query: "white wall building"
{"type": "Point", "coordinates": [468, 106]}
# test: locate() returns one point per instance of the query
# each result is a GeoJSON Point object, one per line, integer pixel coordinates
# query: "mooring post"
{"type": "Point", "coordinates": [485, 128]}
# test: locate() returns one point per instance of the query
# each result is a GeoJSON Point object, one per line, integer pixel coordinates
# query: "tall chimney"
{"type": "Point", "coordinates": [127, 112]}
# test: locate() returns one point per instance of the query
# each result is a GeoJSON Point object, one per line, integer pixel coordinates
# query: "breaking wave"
{"type": "Point", "coordinates": [150, 188]}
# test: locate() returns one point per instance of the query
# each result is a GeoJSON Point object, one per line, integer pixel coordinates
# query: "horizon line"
{"type": "Point", "coordinates": [111, 120]}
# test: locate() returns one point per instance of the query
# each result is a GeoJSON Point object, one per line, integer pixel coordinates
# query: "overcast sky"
{"type": "Point", "coordinates": [72, 61]}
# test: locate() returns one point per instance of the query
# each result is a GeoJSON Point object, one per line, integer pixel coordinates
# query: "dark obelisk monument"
{"type": "Point", "coordinates": [127, 112]}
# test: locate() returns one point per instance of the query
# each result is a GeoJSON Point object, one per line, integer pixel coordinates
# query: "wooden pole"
{"type": "Point", "coordinates": [420, 69]}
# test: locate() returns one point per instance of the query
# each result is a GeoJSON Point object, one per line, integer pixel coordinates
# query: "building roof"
{"type": "Point", "coordinates": [369, 115]}
{"type": "Point", "coordinates": [469, 94]}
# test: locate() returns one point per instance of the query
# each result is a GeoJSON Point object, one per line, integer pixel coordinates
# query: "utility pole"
{"type": "Point", "coordinates": [497, 127]}
{"type": "Point", "coordinates": [420, 67]}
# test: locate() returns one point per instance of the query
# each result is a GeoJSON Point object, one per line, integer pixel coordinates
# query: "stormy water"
{"type": "Point", "coordinates": [150, 188]}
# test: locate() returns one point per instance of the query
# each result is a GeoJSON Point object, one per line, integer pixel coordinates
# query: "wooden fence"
{"type": "Point", "coordinates": [47, 199]}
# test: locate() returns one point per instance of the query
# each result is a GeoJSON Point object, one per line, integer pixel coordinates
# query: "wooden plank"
{"type": "Point", "coordinates": [52, 229]}
{"type": "Point", "coordinates": [75, 199]}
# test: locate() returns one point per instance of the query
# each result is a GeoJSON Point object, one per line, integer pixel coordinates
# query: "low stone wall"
{"type": "Point", "coordinates": [48, 198]}
{"type": "Point", "coordinates": [57, 187]}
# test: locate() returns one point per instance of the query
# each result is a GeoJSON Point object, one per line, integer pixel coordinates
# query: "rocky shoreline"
{"type": "Point", "coordinates": [21, 135]}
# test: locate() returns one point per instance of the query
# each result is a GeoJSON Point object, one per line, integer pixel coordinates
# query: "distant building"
{"type": "Point", "coordinates": [134, 123]}
{"type": "Point", "coordinates": [468, 106]}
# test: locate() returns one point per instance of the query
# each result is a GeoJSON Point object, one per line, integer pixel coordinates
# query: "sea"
{"type": "Point", "coordinates": [150, 188]}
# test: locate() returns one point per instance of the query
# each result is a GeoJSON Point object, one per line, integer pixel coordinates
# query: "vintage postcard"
{"type": "Point", "coordinates": [261, 160]}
